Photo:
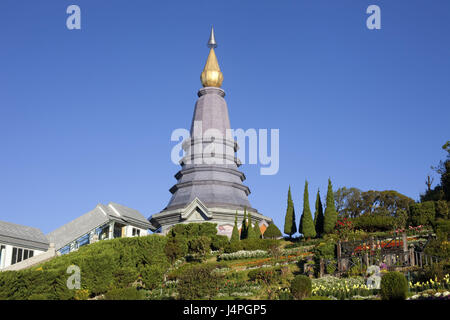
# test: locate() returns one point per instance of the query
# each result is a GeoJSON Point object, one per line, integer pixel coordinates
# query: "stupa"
{"type": "Point", "coordinates": [209, 185]}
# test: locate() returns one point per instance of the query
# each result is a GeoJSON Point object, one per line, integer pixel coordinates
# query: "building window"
{"type": "Point", "coordinates": [20, 254]}
{"type": "Point", "coordinates": [1, 254]}
{"type": "Point", "coordinates": [84, 240]}
{"type": "Point", "coordinates": [64, 250]}
{"type": "Point", "coordinates": [14, 256]}
{"type": "Point", "coordinates": [136, 232]}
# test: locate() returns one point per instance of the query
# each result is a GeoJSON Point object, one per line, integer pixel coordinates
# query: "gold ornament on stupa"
{"type": "Point", "coordinates": [211, 75]}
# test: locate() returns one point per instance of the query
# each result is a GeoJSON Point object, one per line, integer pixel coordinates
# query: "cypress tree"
{"type": "Point", "coordinates": [235, 234]}
{"type": "Point", "coordinates": [318, 215]}
{"type": "Point", "coordinates": [257, 231]}
{"type": "Point", "coordinates": [289, 221]}
{"type": "Point", "coordinates": [330, 217]}
{"type": "Point", "coordinates": [244, 233]}
{"type": "Point", "coordinates": [272, 232]}
{"type": "Point", "coordinates": [250, 231]}
{"type": "Point", "coordinates": [306, 221]}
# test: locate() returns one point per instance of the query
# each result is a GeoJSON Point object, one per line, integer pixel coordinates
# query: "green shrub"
{"type": "Point", "coordinates": [441, 209]}
{"type": "Point", "coordinates": [265, 275]}
{"type": "Point", "coordinates": [199, 282]}
{"type": "Point", "coordinates": [258, 244]}
{"type": "Point", "coordinates": [422, 213]}
{"type": "Point", "coordinates": [374, 222]}
{"type": "Point", "coordinates": [199, 245]}
{"type": "Point", "coordinates": [394, 286]}
{"type": "Point", "coordinates": [129, 293]}
{"type": "Point", "coordinates": [31, 284]}
{"type": "Point", "coordinates": [301, 287]}
{"type": "Point", "coordinates": [233, 246]}
{"type": "Point", "coordinates": [176, 248]}
{"type": "Point", "coordinates": [272, 232]}
{"type": "Point", "coordinates": [152, 276]}
{"type": "Point", "coordinates": [97, 272]}
{"type": "Point", "coordinates": [192, 230]}
{"type": "Point", "coordinates": [104, 265]}
{"type": "Point", "coordinates": [442, 228]}
{"type": "Point", "coordinates": [218, 242]}
{"type": "Point", "coordinates": [123, 277]}
{"type": "Point", "coordinates": [325, 250]}
{"type": "Point", "coordinates": [434, 271]}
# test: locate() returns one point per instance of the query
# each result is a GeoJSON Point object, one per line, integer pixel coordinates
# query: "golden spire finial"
{"type": "Point", "coordinates": [211, 75]}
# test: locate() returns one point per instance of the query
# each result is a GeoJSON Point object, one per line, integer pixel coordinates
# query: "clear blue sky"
{"type": "Point", "coordinates": [86, 116]}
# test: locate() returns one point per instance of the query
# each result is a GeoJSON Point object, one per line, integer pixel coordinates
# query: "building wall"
{"type": "Point", "coordinates": [7, 253]}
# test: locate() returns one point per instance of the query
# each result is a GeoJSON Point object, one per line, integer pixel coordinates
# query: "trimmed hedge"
{"type": "Point", "coordinates": [199, 282]}
{"type": "Point", "coordinates": [394, 286]}
{"type": "Point", "coordinates": [105, 265]}
{"type": "Point", "coordinates": [374, 222]}
{"type": "Point", "coordinates": [301, 287]}
{"type": "Point", "coordinates": [422, 213]}
{"type": "Point", "coordinates": [266, 275]}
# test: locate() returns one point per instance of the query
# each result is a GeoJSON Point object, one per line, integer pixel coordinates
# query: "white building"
{"type": "Point", "coordinates": [104, 222]}
{"type": "Point", "coordinates": [19, 243]}
{"type": "Point", "coordinates": [22, 246]}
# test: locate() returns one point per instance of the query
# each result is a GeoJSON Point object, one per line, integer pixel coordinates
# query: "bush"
{"type": "Point", "coordinates": [422, 213]}
{"type": "Point", "coordinates": [374, 222]}
{"type": "Point", "coordinates": [152, 276]}
{"type": "Point", "coordinates": [301, 287]}
{"type": "Point", "coordinates": [325, 250]}
{"type": "Point", "coordinates": [272, 232]}
{"type": "Point", "coordinates": [176, 248]}
{"type": "Point", "coordinates": [104, 265]}
{"type": "Point", "coordinates": [265, 275]}
{"type": "Point", "coordinates": [258, 244]}
{"type": "Point", "coordinates": [199, 282]}
{"type": "Point", "coordinates": [219, 242]}
{"type": "Point", "coordinates": [199, 245]}
{"type": "Point", "coordinates": [442, 228]}
{"type": "Point", "coordinates": [394, 286]}
{"type": "Point", "coordinates": [97, 273]}
{"type": "Point", "coordinates": [434, 271]}
{"type": "Point", "coordinates": [441, 209]}
{"type": "Point", "coordinates": [129, 293]}
{"type": "Point", "coordinates": [233, 246]}
{"type": "Point", "coordinates": [192, 230]}
{"type": "Point", "coordinates": [35, 285]}
{"type": "Point", "coordinates": [123, 277]}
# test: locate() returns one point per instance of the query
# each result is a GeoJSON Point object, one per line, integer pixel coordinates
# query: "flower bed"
{"type": "Point", "coordinates": [340, 288]}
{"type": "Point", "coordinates": [431, 296]}
{"type": "Point", "coordinates": [431, 284]}
{"type": "Point", "coordinates": [270, 261]}
{"type": "Point", "coordinates": [243, 254]}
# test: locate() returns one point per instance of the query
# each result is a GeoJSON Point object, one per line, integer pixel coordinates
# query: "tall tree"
{"type": "Point", "coordinates": [289, 221]}
{"type": "Point", "coordinates": [318, 215]}
{"type": "Point", "coordinates": [250, 230]}
{"type": "Point", "coordinates": [244, 229]}
{"type": "Point", "coordinates": [235, 234]}
{"type": "Point", "coordinates": [272, 232]}
{"type": "Point", "coordinates": [441, 191]}
{"type": "Point", "coordinates": [330, 217]}
{"type": "Point", "coordinates": [306, 221]}
{"type": "Point", "coordinates": [257, 231]}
